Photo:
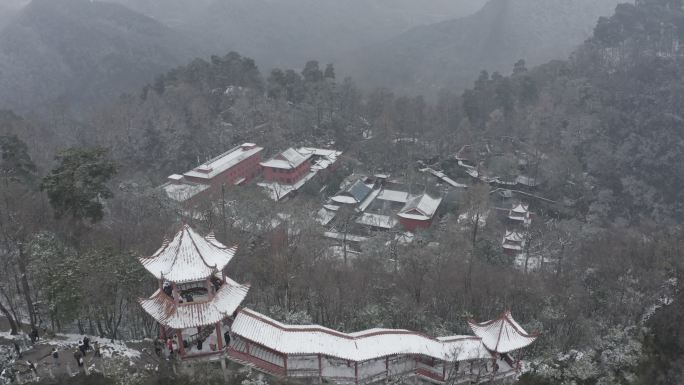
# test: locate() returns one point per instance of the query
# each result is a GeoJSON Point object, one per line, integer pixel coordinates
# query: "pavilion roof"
{"type": "Point", "coordinates": [503, 334]}
{"type": "Point", "coordinates": [421, 207]}
{"type": "Point", "coordinates": [520, 208]}
{"type": "Point", "coordinates": [360, 346]}
{"type": "Point", "coordinates": [193, 314]}
{"type": "Point", "coordinates": [513, 236]}
{"type": "Point", "coordinates": [188, 257]}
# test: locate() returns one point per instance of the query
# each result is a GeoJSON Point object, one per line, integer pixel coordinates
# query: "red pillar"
{"type": "Point", "coordinates": [356, 372]}
{"type": "Point", "coordinates": [320, 368]}
{"type": "Point", "coordinates": [219, 336]}
{"type": "Point", "coordinates": [387, 367]}
{"type": "Point", "coordinates": [247, 348]}
{"type": "Point", "coordinates": [181, 348]}
{"type": "Point", "coordinates": [176, 295]}
{"type": "Point", "coordinates": [444, 365]}
{"type": "Point", "coordinates": [285, 363]}
{"type": "Point", "coordinates": [210, 288]}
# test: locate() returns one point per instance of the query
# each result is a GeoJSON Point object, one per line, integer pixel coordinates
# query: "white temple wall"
{"type": "Point", "coordinates": [336, 368]}
{"type": "Point", "coordinates": [372, 368]}
{"type": "Point", "coordinates": [399, 365]}
{"type": "Point", "coordinates": [302, 366]}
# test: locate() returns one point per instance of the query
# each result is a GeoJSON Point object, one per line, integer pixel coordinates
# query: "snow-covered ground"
{"type": "Point", "coordinates": [108, 347]}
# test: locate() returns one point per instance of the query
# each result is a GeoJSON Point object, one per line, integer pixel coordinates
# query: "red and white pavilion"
{"type": "Point", "coordinates": [196, 299]}
{"type": "Point", "coordinates": [195, 295]}
{"type": "Point", "coordinates": [503, 335]}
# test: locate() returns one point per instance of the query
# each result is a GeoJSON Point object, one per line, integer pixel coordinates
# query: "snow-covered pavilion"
{"type": "Point", "coordinates": [520, 213]}
{"type": "Point", "coordinates": [196, 303]}
{"type": "Point", "coordinates": [195, 296]}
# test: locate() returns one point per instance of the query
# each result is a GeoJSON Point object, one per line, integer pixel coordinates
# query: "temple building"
{"type": "Point", "coordinates": [520, 213]}
{"type": "Point", "coordinates": [238, 166]}
{"type": "Point", "coordinates": [199, 306]}
{"type": "Point", "coordinates": [513, 242]}
{"type": "Point", "coordinates": [419, 212]}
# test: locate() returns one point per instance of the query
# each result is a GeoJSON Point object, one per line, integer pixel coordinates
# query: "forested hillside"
{"type": "Point", "coordinates": [450, 54]}
{"type": "Point", "coordinates": [602, 131]}
{"type": "Point", "coordinates": [81, 52]}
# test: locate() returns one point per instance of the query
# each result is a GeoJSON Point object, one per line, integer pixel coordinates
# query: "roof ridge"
{"type": "Point", "coordinates": [175, 254]}
{"type": "Point", "coordinates": [194, 244]}
{"type": "Point", "coordinates": [323, 329]}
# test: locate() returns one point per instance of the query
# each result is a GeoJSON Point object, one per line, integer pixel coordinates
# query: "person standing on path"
{"type": "Point", "coordinates": [17, 349]}
{"type": "Point", "coordinates": [55, 357]}
{"type": "Point", "coordinates": [79, 357]}
{"type": "Point", "coordinates": [32, 367]}
{"type": "Point", "coordinates": [82, 348]}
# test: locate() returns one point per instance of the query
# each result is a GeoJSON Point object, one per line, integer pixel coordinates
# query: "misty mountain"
{"type": "Point", "coordinates": [9, 8]}
{"type": "Point", "coordinates": [81, 52]}
{"type": "Point", "coordinates": [288, 33]}
{"type": "Point", "coordinates": [452, 53]}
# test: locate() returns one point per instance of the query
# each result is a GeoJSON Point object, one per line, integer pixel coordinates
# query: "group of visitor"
{"type": "Point", "coordinates": [84, 347]}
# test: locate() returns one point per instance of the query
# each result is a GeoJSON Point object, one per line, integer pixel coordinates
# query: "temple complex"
{"type": "Point", "coordinates": [198, 306]}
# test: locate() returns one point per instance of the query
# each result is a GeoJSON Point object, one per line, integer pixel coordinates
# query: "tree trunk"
{"type": "Point", "coordinates": [14, 330]}
{"type": "Point", "coordinates": [560, 260]}
{"type": "Point", "coordinates": [26, 289]}
{"type": "Point", "coordinates": [469, 274]}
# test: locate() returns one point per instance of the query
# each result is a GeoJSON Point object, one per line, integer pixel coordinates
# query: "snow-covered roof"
{"type": "Point", "coordinates": [394, 196]}
{"type": "Point", "coordinates": [183, 190]}
{"type": "Point", "coordinates": [513, 236]}
{"type": "Point", "coordinates": [527, 181]}
{"type": "Point", "coordinates": [224, 161]}
{"type": "Point", "coordinates": [513, 240]}
{"type": "Point", "coordinates": [330, 154]}
{"type": "Point", "coordinates": [278, 191]}
{"type": "Point", "coordinates": [342, 237]}
{"type": "Point", "coordinates": [441, 175]}
{"type": "Point", "coordinates": [288, 159]}
{"type": "Point", "coordinates": [503, 334]}
{"type": "Point", "coordinates": [344, 199]}
{"type": "Point", "coordinates": [188, 257]}
{"type": "Point", "coordinates": [193, 314]}
{"type": "Point", "coordinates": [422, 207]}
{"type": "Point", "coordinates": [520, 208]}
{"type": "Point", "coordinates": [357, 347]}
{"type": "Point", "coordinates": [277, 163]}
{"type": "Point", "coordinates": [324, 216]}
{"type": "Point", "coordinates": [377, 220]}
{"type": "Point", "coordinates": [353, 194]}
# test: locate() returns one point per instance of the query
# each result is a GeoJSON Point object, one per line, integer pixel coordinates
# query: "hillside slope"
{"type": "Point", "coordinates": [80, 51]}
{"type": "Point", "coordinates": [452, 53]}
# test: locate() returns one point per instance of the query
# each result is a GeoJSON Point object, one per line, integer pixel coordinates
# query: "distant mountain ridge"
{"type": "Point", "coordinates": [287, 33]}
{"type": "Point", "coordinates": [452, 53]}
{"type": "Point", "coordinates": [82, 52]}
